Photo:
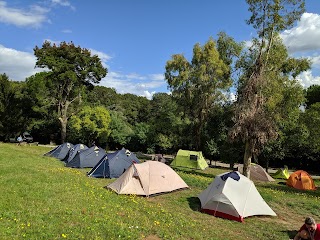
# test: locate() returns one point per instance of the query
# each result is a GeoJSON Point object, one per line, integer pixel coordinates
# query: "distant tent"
{"type": "Point", "coordinates": [87, 158]}
{"type": "Point", "coordinates": [74, 150]}
{"type": "Point", "coordinates": [60, 151]}
{"type": "Point", "coordinates": [233, 196]}
{"type": "Point", "coordinates": [159, 158]}
{"type": "Point", "coordinates": [301, 180]}
{"type": "Point", "coordinates": [112, 165]}
{"type": "Point", "coordinates": [282, 173]}
{"type": "Point", "coordinates": [257, 173]}
{"type": "Point", "coordinates": [189, 159]}
{"type": "Point", "coordinates": [147, 179]}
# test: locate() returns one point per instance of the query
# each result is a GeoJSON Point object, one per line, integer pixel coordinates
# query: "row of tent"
{"type": "Point", "coordinates": [299, 179]}
{"type": "Point", "coordinates": [231, 195]}
{"type": "Point", "coordinates": [224, 197]}
{"type": "Point", "coordinates": [103, 164]}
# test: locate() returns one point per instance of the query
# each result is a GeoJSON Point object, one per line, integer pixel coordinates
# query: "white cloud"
{"type": "Point", "coordinates": [134, 83]}
{"type": "Point", "coordinates": [63, 3]}
{"type": "Point", "coordinates": [34, 17]}
{"type": "Point", "coordinates": [306, 79]}
{"type": "Point", "coordinates": [103, 57]}
{"type": "Point", "coordinates": [16, 64]}
{"type": "Point", "coordinates": [315, 61]}
{"type": "Point", "coordinates": [19, 65]}
{"type": "Point", "coordinates": [66, 31]}
{"type": "Point", "coordinates": [305, 36]}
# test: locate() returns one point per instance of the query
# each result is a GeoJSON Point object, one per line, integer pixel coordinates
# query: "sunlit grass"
{"type": "Point", "coordinates": [42, 199]}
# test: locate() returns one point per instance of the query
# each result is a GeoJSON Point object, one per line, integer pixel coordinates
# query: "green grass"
{"type": "Point", "coordinates": [42, 199]}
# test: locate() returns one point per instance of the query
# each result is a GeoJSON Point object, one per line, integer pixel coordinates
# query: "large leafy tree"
{"type": "Point", "coordinates": [166, 124]}
{"type": "Point", "coordinates": [199, 84]}
{"type": "Point", "coordinates": [13, 108]}
{"type": "Point", "coordinates": [43, 116]}
{"type": "Point", "coordinates": [90, 125]}
{"type": "Point", "coordinates": [103, 96]}
{"type": "Point", "coordinates": [71, 69]}
{"type": "Point", "coordinates": [265, 71]}
{"type": "Point", "coordinates": [135, 108]}
{"type": "Point", "coordinates": [121, 131]}
{"type": "Point", "coordinates": [312, 95]}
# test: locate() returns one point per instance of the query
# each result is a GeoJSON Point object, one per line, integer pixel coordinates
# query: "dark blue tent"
{"type": "Point", "coordinates": [60, 151]}
{"type": "Point", "coordinates": [74, 150]}
{"type": "Point", "coordinates": [87, 158]}
{"type": "Point", "coordinates": [112, 165]}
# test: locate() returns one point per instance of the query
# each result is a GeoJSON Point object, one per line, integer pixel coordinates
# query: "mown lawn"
{"type": "Point", "coordinates": [42, 199]}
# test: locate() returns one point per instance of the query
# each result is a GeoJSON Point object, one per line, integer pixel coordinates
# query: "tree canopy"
{"type": "Point", "coordinates": [70, 69]}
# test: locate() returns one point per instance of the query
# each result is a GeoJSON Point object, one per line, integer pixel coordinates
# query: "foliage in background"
{"type": "Point", "coordinates": [71, 69]}
{"type": "Point", "coordinates": [90, 125]}
{"type": "Point", "coordinates": [199, 84]}
{"type": "Point", "coordinates": [265, 70]}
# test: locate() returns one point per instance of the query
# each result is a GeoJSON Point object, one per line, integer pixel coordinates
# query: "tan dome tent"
{"type": "Point", "coordinates": [233, 196]}
{"type": "Point", "coordinates": [257, 173]}
{"type": "Point", "coordinates": [147, 179]}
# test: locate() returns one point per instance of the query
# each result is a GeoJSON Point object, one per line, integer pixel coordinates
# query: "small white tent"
{"type": "Point", "coordinates": [148, 178]}
{"type": "Point", "coordinates": [233, 196]}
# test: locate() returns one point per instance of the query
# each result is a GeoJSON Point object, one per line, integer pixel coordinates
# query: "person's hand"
{"type": "Point", "coordinates": [304, 234]}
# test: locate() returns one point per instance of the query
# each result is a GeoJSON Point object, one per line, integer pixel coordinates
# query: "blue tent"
{"type": "Point", "coordinates": [87, 158]}
{"type": "Point", "coordinates": [74, 150]}
{"type": "Point", "coordinates": [60, 151]}
{"type": "Point", "coordinates": [112, 165]}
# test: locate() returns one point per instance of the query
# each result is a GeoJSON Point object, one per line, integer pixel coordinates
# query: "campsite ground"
{"type": "Point", "coordinates": [42, 199]}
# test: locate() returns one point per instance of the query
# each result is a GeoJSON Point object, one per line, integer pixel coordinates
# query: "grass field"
{"type": "Point", "coordinates": [42, 199]}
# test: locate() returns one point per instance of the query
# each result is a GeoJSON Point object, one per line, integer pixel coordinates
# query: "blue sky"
{"type": "Point", "coordinates": [134, 39]}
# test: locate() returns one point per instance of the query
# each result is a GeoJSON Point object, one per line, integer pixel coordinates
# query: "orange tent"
{"type": "Point", "coordinates": [301, 180]}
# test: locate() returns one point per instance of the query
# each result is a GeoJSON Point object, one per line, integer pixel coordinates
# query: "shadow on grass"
{"type": "Point", "coordinates": [194, 203]}
{"type": "Point", "coordinates": [283, 187]}
{"type": "Point", "coordinates": [194, 171]}
{"type": "Point", "coordinates": [291, 233]}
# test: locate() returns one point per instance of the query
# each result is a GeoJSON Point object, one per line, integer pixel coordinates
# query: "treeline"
{"type": "Point", "coordinates": [156, 125]}
{"type": "Point", "coordinates": [273, 121]}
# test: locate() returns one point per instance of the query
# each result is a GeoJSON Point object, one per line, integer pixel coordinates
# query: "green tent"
{"type": "Point", "coordinates": [189, 159]}
{"type": "Point", "coordinates": [281, 173]}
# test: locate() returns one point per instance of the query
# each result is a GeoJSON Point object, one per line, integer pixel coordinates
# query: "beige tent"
{"type": "Point", "coordinates": [257, 173]}
{"type": "Point", "coordinates": [148, 178]}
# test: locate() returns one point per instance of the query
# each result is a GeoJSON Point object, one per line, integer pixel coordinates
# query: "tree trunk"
{"type": "Point", "coordinates": [64, 120]}
{"type": "Point", "coordinates": [267, 165]}
{"type": "Point", "coordinates": [63, 123]}
{"type": "Point", "coordinates": [247, 159]}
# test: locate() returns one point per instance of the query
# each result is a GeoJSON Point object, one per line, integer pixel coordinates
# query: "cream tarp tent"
{"type": "Point", "coordinates": [233, 196]}
{"type": "Point", "coordinates": [148, 178]}
{"type": "Point", "coordinates": [257, 173]}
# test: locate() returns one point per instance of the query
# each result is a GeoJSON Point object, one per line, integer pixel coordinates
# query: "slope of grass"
{"type": "Point", "coordinates": [42, 199]}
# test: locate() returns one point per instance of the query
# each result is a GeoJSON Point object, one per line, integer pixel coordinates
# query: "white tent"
{"type": "Point", "coordinates": [148, 178]}
{"type": "Point", "coordinates": [233, 196]}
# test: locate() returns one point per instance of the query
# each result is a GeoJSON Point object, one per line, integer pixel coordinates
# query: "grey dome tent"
{"type": "Point", "coordinates": [74, 150]}
{"type": "Point", "coordinates": [60, 151]}
{"type": "Point", "coordinates": [87, 158]}
{"type": "Point", "coordinates": [113, 165]}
